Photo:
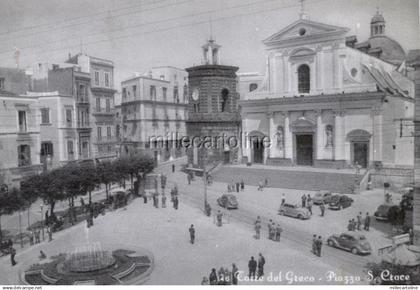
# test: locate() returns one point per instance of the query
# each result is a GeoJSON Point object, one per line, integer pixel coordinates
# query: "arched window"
{"type": "Point", "coordinates": [304, 80]}
{"type": "Point", "coordinates": [224, 100]}
{"type": "Point", "coordinates": [253, 87]}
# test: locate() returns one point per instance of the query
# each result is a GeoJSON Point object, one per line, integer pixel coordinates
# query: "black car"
{"type": "Point", "coordinates": [388, 212]}
{"type": "Point", "coordinates": [340, 202]}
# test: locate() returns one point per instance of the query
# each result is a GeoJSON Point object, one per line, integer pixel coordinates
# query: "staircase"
{"type": "Point", "coordinates": [337, 182]}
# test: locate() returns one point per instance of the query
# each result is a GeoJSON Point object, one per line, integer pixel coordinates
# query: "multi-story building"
{"type": "Point", "coordinates": [19, 138]}
{"type": "Point", "coordinates": [101, 100]}
{"type": "Point", "coordinates": [153, 110]}
{"type": "Point", "coordinates": [16, 81]}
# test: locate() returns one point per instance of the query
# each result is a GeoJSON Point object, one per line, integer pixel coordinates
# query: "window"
{"type": "Point", "coordinates": [2, 84]}
{"type": "Point", "coordinates": [96, 78]}
{"type": "Point", "coordinates": [124, 93]}
{"type": "Point", "coordinates": [108, 105]}
{"type": "Point", "coordinates": [70, 150]}
{"type": "Point", "coordinates": [45, 116]}
{"type": "Point", "coordinates": [108, 133]}
{"type": "Point", "coordinates": [185, 92]}
{"type": "Point", "coordinates": [106, 79]}
{"type": "Point", "coordinates": [69, 118]}
{"type": "Point", "coordinates": [162, 77]}
{"type": "Point", "coordinates": [224, 100]}
{"type": "Point", "coordinates": [99, 133]}
{"type": "Point", "coordinates": [152, 92]}
{"type": "Point", "coordinates": [81, 93]}
{"type": "Point", "coordinates": [22, 121]}
{"type": "Point", "coordinates": [46, 149]}
{"type": "Point", "coordinates": [24, 155]}
{"type": "Point", "coordinates": [98, 104]}
{"type": "Point", "coordinates": [303, 79]}
{"type": "Point", "coordinates": [134, 91]}
{"type": "Point", "coordinates": [164, 93]}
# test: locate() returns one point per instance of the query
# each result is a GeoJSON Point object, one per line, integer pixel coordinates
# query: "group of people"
{"type": "Point", "coordinates": [356, 224]}
{"type": "Point", "coordinates": [254, 265]}
{"type": "Point", "coordinates": [274, 230]}
{"type": "Point", "coordinates": [222, 277]}
{"type": "Point", "coordinates": [307, 203]}
{"type": "Point", "coordinates": [316, 245]}
{"type": "Point", "coordinates": [236, 186]}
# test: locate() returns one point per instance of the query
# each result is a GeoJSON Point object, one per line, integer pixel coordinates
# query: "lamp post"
{"type": "Point", "coordinates": [42, 221]}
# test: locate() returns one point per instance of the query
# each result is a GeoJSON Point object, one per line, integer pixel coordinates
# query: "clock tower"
{"type": "Point", "coordinates": [213, 121]}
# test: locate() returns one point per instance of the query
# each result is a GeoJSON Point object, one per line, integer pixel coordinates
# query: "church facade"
{"type": "Point", "coordinates": [326, 101]}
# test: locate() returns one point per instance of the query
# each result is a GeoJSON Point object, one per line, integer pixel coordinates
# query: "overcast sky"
{"type": "Point", "coordinates": [139, 34]}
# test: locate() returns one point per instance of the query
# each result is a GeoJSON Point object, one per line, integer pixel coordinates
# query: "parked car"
{"type": "Point", "coordinates": [386, 211]}
{"type": "Point", "coordinates": [294, 211]}
{"type": "Point", "coordinates": [322, 196]}
{"type": "Point", "coordinates": [228, 201]}
{"type": "Point", "coordinates": [340, 202]}
{"type": "Point", "coordinates": [350, 241]}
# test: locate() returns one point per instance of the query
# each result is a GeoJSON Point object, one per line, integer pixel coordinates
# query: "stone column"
{"type": "Point", "coordinates": [288, 137]}
{"type": "Point", "coordinates": [377, 133]}
{"type": "Point", "coordinates": [339, 136]}
{"type": "Point", "coordinates": [320, 144]}
{"type": "Point", "coordinates": [270, 123]}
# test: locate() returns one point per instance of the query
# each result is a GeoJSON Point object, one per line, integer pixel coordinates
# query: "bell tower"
{"type": "Point", "coordinates": [211, 52]}
{"type": "Point", "coordinates": [377, 25]}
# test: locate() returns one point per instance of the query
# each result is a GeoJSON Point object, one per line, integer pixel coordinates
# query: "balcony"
{"type": "Point", "coordinates": [82, 100]}
{"type": "Point", "coordinates": [104, 112]}
{"type": "Point", "coordinates": [84, 126]}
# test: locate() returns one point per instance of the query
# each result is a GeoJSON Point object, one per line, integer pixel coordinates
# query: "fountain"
{"type": "Point", "coordinates": [92, 264]}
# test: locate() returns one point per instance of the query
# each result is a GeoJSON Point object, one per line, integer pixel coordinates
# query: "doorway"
{"type": "Point", "coordinates": [258, 150]}
{"type": "Point", "coordinates": [360, 153]}
{"type": "Point", "coordinates": [304, 149]}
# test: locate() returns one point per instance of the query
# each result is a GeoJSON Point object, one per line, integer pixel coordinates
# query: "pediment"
{"type": "Point", "coordinates": [305, 29]}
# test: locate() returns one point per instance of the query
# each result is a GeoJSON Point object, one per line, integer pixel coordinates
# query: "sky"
{"type": "Point", "coordinates": [139, 34]}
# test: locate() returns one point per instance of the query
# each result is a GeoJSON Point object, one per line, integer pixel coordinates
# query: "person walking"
{"type": "Point", "coordinates": [235, 272]}
{"type": "Point", "coordinates": [261, 263]}
{"type": "Point", "coordinates": [319, 246]}
{"type": "Point", "coordinates": [237, 187]}
{"type": "Point", "coordinates": [176, 201]}
{"type": "Point", "coordinates": [12, 256]}
{"type": "Point", "coordinates": [349, 226]}
{"type": "Point", "coordinates": [367, 222]}
{"type": "Point", "coordinates": [192, 234]}
{"type": "Point", "coordinates": [213, 277]}
{"type": "Point", "coordinates": [322, 208]}
{"type": "Point", "coordinates": [309, 205]}
{"type": "Point", "coordinates": [314, 246]}
{"type": "Point", "coordinates": [303, 201]}
{"type": "Point", "coordinates": [359, 221]}
{"type": "Point", "coordinates": [279, 230]}
{"type": "Point", "coordinates": [219, 218]}
{"type": "Point", "coordinates": [258, 228]}
{"type": "Point", "coordinates": [270, 230]}
{"type": "Point", "coordinates": [252, 267]}
{"type": "Point", "coordinates": [242, 185]}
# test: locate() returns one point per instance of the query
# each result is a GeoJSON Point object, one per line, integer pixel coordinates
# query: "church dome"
{"type": "Point", "coordinates": [377, 18]}
{"type": "Point", "coordinates": [391, 50]}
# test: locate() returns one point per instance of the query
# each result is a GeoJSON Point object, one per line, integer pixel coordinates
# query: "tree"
{"type": "Point", "coordinates": [106, 174]}
{"type": "Point", "coordinates": [10, 202]}
{"type": "Point", "coordinates": [138, 166]}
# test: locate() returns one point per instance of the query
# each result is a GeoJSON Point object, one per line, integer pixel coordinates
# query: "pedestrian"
{"type": "Point", "coordinates": [279, 230]}
{"type": "Point", "coordinates": [258, 228]}
{"type": "Point", "coordinates": [283, 199]}
{"type": "Point", "coordinates": [238, 185]}
{"type": "Point", "coordinates": [309, 198]}
{"type": "Point", "coordinates": [163, 183]}
{"type": "Point", "coordinates": [359, 221]}
{"type": "Point", "coordinates": [261, 263]}
{"type": "Point", "coordinates": [213, 277]}
{"type": "Point", "coordinates": [173, 168]}
{"type": "Point", "coordinates": [219, 217]}
{"type": "Point", "coordinates": [242, 185]}
{"type": "Point", "coordinates": [367, 222]}
{"type": "Point", "coordinates": [309, 205]}
{"type": "Point", "coordinates": [322, 208]}
{"type": "Point", "coordinates": [319, 246]}
{"type": "Point", "coordinates": [192, 234]}
{"type": "Point", "coordinates": [49, 231]}
{"type": "Point", "coordinates": [260, 186]}
{"type": "Point", "coordinates": [353, 225]}
{"type": "Point", "coordinates": [163, 201]}
{"type": "Point", "coordinates": [176, 202]}
{"type": "Point", "coordinates": [208, 209]}
{"type": "Point", "coordinates": [303, 201]}
{"type": "Point", "coordinates": [252, 267]}
{"type": "Point", "coordinates": [12, 256]}
{"type": "Point", "coordinates": [314, 248]}
{"type": "Point", "coordinates": [349, 226]}
{"type": "Point", "coordinates": [270, 230]}
{"type": "Point", "coordinates": [235, 272]}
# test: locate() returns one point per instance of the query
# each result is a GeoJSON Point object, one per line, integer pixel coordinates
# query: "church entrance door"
{"type": "Point", "coordinates": [360, 153]}
{"type": "Point", "coordinates": [258, 151]}
{"type": "Point", "coordinates": [304, 149]}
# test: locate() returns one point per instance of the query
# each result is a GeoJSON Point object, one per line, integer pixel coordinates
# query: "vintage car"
{"type": "Point", "coordinates": [350, 241]}
{"type": "Point", "coordinates": [386, 211]}
{"type": "Point", "coordinates": [294, 211]}
{"type": "Point", "coordinates": [339, 202]}
{"type": "Point", "coordinates": [228, 201]}
{"type": "Point", "coordinates": [322, 196]}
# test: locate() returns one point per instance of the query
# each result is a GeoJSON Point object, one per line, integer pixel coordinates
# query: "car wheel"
{"type": "Point", "coordinates": [300, 216]}
{"type": "Point", "coordinates": [330, 243]}
{"type": "Point", "coordinates": [354, 251]}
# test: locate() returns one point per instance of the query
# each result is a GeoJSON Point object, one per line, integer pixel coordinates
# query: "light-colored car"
{"type": "Point", "coordinates": [294, 210]}
{"type": "Point", "coordinates": [350, 241]}
{"type": "Point", "coordinates": [322, 196]}
{"type": "Point", "coordinates": [228, 201]}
